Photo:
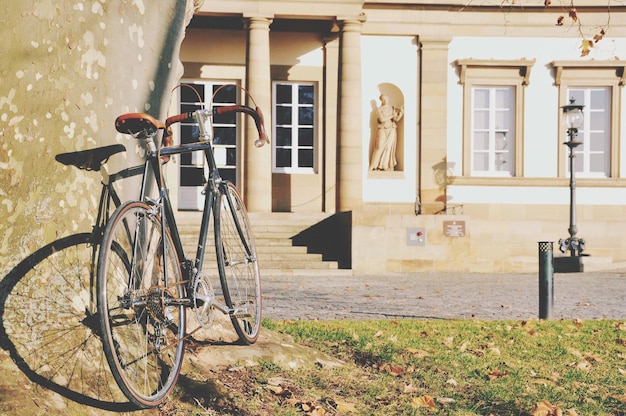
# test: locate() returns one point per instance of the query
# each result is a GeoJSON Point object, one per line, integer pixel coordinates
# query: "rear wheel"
{"type": "Point", "coordinates": [237, 264]}
{"type": "Point", "coordinates": [142, 325]}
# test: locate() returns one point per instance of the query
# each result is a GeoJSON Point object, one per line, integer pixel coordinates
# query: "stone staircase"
{"type": "Point", "coordinates": [273, 234]}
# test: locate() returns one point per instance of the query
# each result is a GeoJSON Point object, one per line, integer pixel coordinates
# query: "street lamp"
{"type": "Point", "coordinates": [572, 120]}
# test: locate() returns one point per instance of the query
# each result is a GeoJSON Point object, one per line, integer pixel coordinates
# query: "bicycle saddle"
{"type": "Point", "coordinates": [139, 125]}
{"type": "Point", "coordinates": [90, 159]}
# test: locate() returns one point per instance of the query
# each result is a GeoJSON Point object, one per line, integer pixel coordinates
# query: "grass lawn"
{"type": "Point", "coordinates": [440, 367]}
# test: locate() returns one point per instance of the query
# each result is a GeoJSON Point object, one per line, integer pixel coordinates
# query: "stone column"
{"type": "Point", "coordinates": [257, 163]}
{"type": "Point", "coordinates": [350, 140]}
{"type": "Point", "coordinates": [331, 89]}
{"type": "Point", "coordinates": [434, 84]}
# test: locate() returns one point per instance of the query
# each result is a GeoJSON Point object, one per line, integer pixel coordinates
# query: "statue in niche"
{"type": "Point", "coordinates": [384, 155]}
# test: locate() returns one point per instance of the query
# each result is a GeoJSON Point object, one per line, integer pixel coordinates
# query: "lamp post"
{"type": "Point", "coordinates": [572, 120]}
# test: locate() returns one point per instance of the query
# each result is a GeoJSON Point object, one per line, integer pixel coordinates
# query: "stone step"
{"type": "Point", "coordinates": [273, 233]}
{"type": "Point", "coordinates": [266, 265]}
{"type": "Point", "coordinates": [275, 243]}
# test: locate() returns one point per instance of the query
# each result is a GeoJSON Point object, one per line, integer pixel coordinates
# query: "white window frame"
{"type": "Point", "coordinates": [584, 152]}
{"type": "Point", "coordinates": [500, 138]}
{"type": "Point", "coordinates": [492, 74]}
{"type": "Point", "coordinates": [590, 74]}
{"type": "Point", "coordinates": [294, 169]}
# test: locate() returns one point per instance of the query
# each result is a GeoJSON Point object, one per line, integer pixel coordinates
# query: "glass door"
{"type": "Point", "coordinates": [192, 170]}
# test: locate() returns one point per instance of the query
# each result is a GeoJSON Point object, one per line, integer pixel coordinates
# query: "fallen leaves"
{"type": "Point", "coordinates": [423, 401]}
{"type": "Point", "coordinates": [550, 380]}
{"type": "Point", "coordinates": [345, 407]}
{"type": "Point", "coordinates": [497, 374]}
{"type": "Point", "coordinates": [417, 353]}
{"type": "Point", "coordinates": [410, 389]}
{"type": "Point", "coordinates": [309, 408]}
{"type": "Point", "coordinates": [545, 368]}
{"type": "Point", "coordinates": [452, 382]}
{"type": "Point", "coordinates": [587, 362]}
{"type": "Point", "coordinates": [286, 389]}
{"type": "Point", "coordinates": [316, 408]}
{"type": "Point", "coordinates": [430, 402]}
{"type": "Point", "coordinates": [393, 369]}
{"type": "Point", "coordinates": [545, 408]}
{"type": "Point", "coordinates": [279, 386]}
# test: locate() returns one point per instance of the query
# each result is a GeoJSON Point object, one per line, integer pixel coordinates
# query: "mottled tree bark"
{"type": "Point", "coordinates": [67, 70]}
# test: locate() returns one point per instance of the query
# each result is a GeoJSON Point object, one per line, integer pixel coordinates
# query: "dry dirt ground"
{"type": "Point", "coordinates": [22, 389]}
{"type": "Point", "coordinates": [51, 356]}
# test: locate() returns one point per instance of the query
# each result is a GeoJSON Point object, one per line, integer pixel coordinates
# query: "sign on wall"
{"type": "Point", "coordinates": [454, 228]}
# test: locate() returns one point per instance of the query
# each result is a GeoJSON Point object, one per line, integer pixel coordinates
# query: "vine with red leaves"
{"type": "Point", "coordinates": [586, 43]}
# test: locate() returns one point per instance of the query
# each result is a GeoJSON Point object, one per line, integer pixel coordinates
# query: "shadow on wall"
{"type": "Point", "coordinates": [443, 176]}
{"type": "Point", "coordinates": [49, 325]}
{"type": "Point", "coordinates": [332, 238]}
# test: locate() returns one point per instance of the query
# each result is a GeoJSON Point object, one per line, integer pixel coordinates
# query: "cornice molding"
{"type": "Point", "coordinates": [523, 64]}
{"type": "Point", "coordinates": [617, 65]}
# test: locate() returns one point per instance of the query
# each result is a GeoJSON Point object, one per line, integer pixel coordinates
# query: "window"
{"type": "Point", "coordinates": [225, 132]}
{"type": "Point", "coordinates": [493, 131]}
{"type": "Point", "coordinates": [593, 155]}
{"type": "Point", "coordinates": [294, 127]}
{"type": "Point", "coordinates": [597, 86]}
{"type": "Point", "coordinates": [493, 102]}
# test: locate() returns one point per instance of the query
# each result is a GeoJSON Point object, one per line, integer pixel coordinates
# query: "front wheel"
{"type": "Point", "coordinates": [237, 263]}
{"type": "Point", "coordinates": [138, 283]}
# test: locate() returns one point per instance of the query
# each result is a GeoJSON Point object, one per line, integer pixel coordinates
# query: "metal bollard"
{"type": "Point", "coordinates": [546, 280]}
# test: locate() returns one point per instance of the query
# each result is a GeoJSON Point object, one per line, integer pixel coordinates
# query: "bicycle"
{"type": "Point", "coordinates": [145, 283]}
{"type": "Point", "coordinates": [48, 303]}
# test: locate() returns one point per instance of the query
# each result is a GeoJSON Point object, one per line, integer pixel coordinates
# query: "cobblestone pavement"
{"type": "Point", "coordinates": [588, 295]}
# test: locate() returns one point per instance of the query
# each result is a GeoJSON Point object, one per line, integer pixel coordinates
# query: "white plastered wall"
{"type": "Point", "coordinates": [390, 60]}
{"type": "Point", "coordinates": [541, 118]}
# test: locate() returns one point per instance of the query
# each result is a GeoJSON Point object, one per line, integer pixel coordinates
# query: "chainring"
{"type": "Point", "coordinates": [203, 298]}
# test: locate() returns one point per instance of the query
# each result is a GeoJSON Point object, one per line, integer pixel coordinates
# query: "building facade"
{"type": "Point", "coordinates": [431, 130]}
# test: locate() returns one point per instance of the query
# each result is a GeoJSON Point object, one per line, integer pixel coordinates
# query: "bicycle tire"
{"type": "Point", "coordinates": [237, 263]}
{"type": "Point", "coordinates": [49, 323]}
{"type": "Point", "coordinates": [142, 336]}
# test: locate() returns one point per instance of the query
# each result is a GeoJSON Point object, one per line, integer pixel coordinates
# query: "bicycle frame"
{"type": "Point", "coordinates": [145, 128]}
{"type": "Point", "coordinates": [153, 162]}
{"type": "Point", "coordinates": [190, 268]}
{"type": "Point", "coordinates": [109, 195]}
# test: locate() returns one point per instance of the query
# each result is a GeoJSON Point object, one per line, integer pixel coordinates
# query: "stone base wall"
{"type": "Point", "coordinates": [495, 239]}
